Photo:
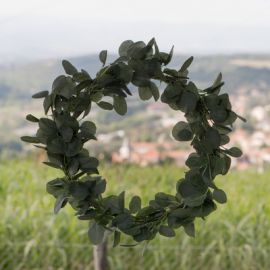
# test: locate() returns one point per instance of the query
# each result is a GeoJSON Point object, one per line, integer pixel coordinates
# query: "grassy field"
{"type": "Point", "coordinates": [237, 236]}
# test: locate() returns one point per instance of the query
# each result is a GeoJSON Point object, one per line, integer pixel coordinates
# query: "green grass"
{"type": "Point", "coordinates": [236, 236]}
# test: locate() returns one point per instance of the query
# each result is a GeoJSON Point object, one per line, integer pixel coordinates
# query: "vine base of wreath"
{"type": "Point", "coordinates": [62, 134]}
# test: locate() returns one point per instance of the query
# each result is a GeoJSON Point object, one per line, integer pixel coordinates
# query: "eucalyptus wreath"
{"type": "Point", "coordinates": [63, 133]}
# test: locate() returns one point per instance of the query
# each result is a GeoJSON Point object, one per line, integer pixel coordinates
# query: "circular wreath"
{"type": "Point", "coordinates": [209, 119]}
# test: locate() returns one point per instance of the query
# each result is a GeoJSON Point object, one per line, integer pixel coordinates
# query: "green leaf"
{"type": "Point", "coordinates": [219, 195]}
{"type": "Point", "coordinates": [190, 229]}
{"type": "Point", "coordinates": [56, 159]}
{"type": "Point", "coordinates": [120, 105]}
{"type": "Point", "coordinates": [41, 94]}
{"type": "Point", "coordinates": [171, 72]}
{"type": "Point", "coordinates": [88, 164]}
{"type": "Point", "coordinates": [152, 67]}
{"type": "Point", "coordinates": [219, 165]}
{"type": "Point", "coordinates": [218, 80]}
{"type": "Point", "coordinates": [188, 101]}
{"type": "Point", "coordinates": [81, 76]}
{"type": "Point", "coordinates": [121, 201]}
{"type": "Point", "coordinates": [60, 203]}
{"type": "Point", "coordinates": [96, 97]}
{"type": "Point", "coordinates": [53, 165]}
{"type": "Point", "coordinates": [171, 93]}
{"type": "Point", "coordinates": [181, 213]}
{"type": "Point", "coordinates": [224, 139]}
{"type": "Point", "coordinates": [137, 50]}
{"type": "Point", "coordinates": [105, 105]}
{"type": "Point", "coordinates": [212, 139]}
{"type": "Point", "coordinates": [135, 204]}
{"type": "Point", "coordinates": [73, 167]}
{"type": "Point", "coordinates": [195, 161]}
{"type": "Point", "coordinates": [222, 129]}
{"type": "Point", "coordinates": [227, 165]}
{"type": "Point", "coordinates": [96, 233]}
{"type": "Point", "coordinates": [88, 215]}
{"type": "Point", "coordinates": [47, 103]}
{"type": "Point", "coordinates": [31, 118]}
{"type": "Point", "coordinates": [82, 85]}
{"type": "Point", "coordinates": [48, 126]}
{"type": "Point", "coordinates": [103, 57]}
{"type": "Point", "coordinates": [69, 68]}
{"type": "Point", "coordinates": [116, 238]}
{"type": "Point", "coordinates": [66, 133]}
{"type": "Point", "coordinates": [219, 114]}
{"type": "Point", "coordinates": [232, 116]}
{"type": "Point", "coordinates": [74, 147]}
{"type": "Point", "coordinates": [30, 139]}
{"type": "Point", "coordinates": [56, 146]}
{"type": "Point", "coordinates": [186, 64]}
{"type": "Point", "coordinates": [164, 200]}
{"type": "Point", "coordinates": [166, 231]}
{"type": "Point", "coordinates": [64, 86]}
{"type": "Point", "coordinates": [124, 47]}
{"type": "Point", "coordinates": [234, 152]}
{"type": "Point", "coordinates": [88, 128]}
{"type": "Point", "coordinates": [193, 188]}
{"type": "Point", "coordinates": [56, 187]}
{"type": "Point", "coordinates": [145, 93]}
{"type": "Point", "coordinates": [155, 91]}
{"type": "Point", "coordinates": [169, 58]}
{"type": "Point", "coordinates": [140, 80]}
{"type": "Point", "coordinates": [78, 190]}
{"type": "Point", "coordinates": [182, 132]}
{"type": "Point", "coordinates": [100, 187]}
{"type": "Point", "coordinates": [126, 73]}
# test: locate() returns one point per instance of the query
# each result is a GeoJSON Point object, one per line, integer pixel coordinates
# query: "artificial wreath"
{"type": "Point", "coordinates": [63, 133]}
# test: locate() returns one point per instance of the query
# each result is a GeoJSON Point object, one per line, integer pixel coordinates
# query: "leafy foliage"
{"type": "Point", "coordinates": [209, 117]}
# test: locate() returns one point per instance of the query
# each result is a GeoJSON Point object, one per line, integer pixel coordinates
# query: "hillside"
{"type": "Point", "coordinates": [239, 71]}
{"type": "Point", "coordinates": [244, 75]}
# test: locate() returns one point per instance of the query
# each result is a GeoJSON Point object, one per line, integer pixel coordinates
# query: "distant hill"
{"type": "Point", "coordinates": [239, 71]}
{"type": "Point", "coordinates": [243, 75]}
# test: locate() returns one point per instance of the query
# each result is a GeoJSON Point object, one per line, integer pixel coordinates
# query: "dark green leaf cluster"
{"type": "Point", "coordinates": [63, 133]}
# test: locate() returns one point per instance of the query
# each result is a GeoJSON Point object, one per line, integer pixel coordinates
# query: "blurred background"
{"type": "Point", "coordinates": [138, 152]}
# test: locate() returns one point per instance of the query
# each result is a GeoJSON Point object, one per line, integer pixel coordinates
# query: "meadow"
{"type": "Point", "coordinates": [236, 236]}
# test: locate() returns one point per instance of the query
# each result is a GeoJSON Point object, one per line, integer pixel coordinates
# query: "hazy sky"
{"type": "Point", "coordinates": [32, 29]}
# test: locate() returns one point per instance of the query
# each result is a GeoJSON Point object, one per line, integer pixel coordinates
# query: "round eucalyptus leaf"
{"type": "Point", "coordinates": [30, 139]}
{"type": "Point", "coordinates": [41, 94]}
{"type": "Point", "coordinates": [219, 196]}
{"type": "Point", "coordinates": [103, 57]}
{"type": "Point", "coordinates": [186, 64]}
{"type": "Point", "coordinates": [60, 203]}
{"type": "Point", "coordinates": [120, 105]}
{"type": "Point", "coordinates": [145, 93]}
{"type": "Point", "coordinates": [187, 102]}
{"type": "Point", "coordinates": [166, 231]}
{"type": "Point", "coordinates": [234, 152]}
{"type": "Point", "coordinates": [88, 128]}
{"type": "Point", "coordinates": [190, 229]}
{"type": "Point", "coordinates": [155, 91]}
{"type": "Point", "coordinates": [69, 68]}
{"type": "Point", "coordinates": [96, 233]}
{"type": "Point", "coordinates": [124, 47]}
{"type": "Point", "coordinates": [105, 105]}
{"type": "Point", "coordinates": [182, 132]}
{"type": "Point", "coordinates": [135, 204]}
{"type": "Point", "coordinates": [212, 139]}
{"type": "Point", "coordinates": [31, 118]}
